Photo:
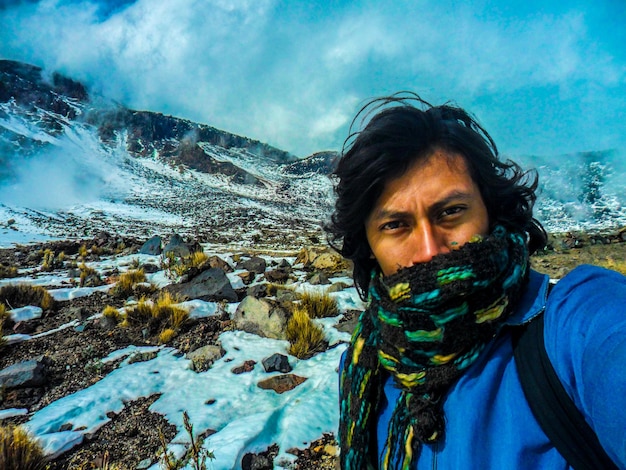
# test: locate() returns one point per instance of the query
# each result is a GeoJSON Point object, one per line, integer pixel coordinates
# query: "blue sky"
{"type": "Point", "coordinates": [544, 77]}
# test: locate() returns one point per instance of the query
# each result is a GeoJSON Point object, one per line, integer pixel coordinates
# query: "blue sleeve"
{"type": "Point", "coordinates": [585, 337]}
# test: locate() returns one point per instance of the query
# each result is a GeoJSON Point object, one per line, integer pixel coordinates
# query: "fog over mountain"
{"type": "Point", "coordinates": [72, 164]}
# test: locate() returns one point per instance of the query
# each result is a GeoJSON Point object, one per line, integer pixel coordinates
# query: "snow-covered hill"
{"type": "Point", "coordinates": [72, 165]}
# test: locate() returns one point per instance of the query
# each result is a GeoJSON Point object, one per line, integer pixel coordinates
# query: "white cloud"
{"type": "Point", "coordinates": [293, 73]}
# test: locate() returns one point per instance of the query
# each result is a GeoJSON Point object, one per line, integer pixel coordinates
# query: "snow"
{"type": "Point", "coordinates": [245, 417]}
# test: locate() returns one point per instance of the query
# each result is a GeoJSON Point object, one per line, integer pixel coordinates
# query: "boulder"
{"type": "Point", "coordinates": [256, 265]}
{"type": "Point", "coordinates": [210, 285]}
{"type": "Point", "coordinates": [177, 247]}
{"type": "Point", "coordinates": [319, 278]}
{"type": "Point", "coordinates": [260, 317]}
{"type": "Point", "coordinates": [152, 246]}
{"type": "Point", "coordinates": [24, 374]}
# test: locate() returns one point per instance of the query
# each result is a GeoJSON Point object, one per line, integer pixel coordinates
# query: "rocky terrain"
{"type": "Point", "coordinates": [70, 359]}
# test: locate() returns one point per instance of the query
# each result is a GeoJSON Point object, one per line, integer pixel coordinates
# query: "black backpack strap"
{"type": "Point", "coordinates": [554, 410]}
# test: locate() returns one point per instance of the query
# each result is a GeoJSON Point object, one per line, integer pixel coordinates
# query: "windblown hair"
{"type": "Point", "coordinates": [403, 130]}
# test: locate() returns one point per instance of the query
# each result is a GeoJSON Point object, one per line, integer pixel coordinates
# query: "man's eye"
{"type": "Point", "coordinates": [393, 225]}
{"type": "Point", "coordinates": [452, 210]}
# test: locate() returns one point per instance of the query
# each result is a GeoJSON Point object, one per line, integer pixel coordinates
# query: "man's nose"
{"type": "Point", "coordinates": [427, 243]}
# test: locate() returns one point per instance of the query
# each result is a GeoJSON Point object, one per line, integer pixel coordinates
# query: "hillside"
{"type": "Point", "coordinates": [72, 161]}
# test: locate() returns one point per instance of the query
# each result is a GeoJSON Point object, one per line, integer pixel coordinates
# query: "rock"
{"type": "Point", "coordinates": [177, 247]}
{"type": "Point", "coordinates": [150, 268]}
{"type": "Point", "coordinates": [247, 277]}
{"type": "Point", "coordinates": [256, 265]}
{"type": "Point", "coordinates": [260, 317]}
{"type": "Point", "coordinates": [277, 275]}
{"type": "Point", "coordinates": [210, 285]}
{"type": "Point", "coordinates": [276, 363]}
{"type": "Point", "coordinates": [24, 374]}
{"type": "Point", "coordinates": [217, 262]}
{"type": "Point", "coordinates": [203, 358]}
{"type": "Point", "coordinates": [337, 287]}
{"type": "Point", "coordinates": [257, 290]}
{"type": "Point", "coordinates": [256, 462]}
{"type": "Point", "coordinates": [282, 383]}
{"type": "Point", "coordinates": [144, 464]}
{"type": "Point", "coordinates": [152, 246]}
{"type": "Point", "coordinates": [319, 278]}
{"type": "Point", "coordinates": [247, 366]}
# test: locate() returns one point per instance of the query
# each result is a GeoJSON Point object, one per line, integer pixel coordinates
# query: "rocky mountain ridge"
{"type": "Point", "coordinates": [160, 172]}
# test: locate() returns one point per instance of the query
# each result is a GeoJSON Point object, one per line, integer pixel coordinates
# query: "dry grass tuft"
{"type": "Point", "coordinates": [20, 451]}
{"type": "Point", "coordinates": [86, 273]}
{"type": "Point", "coordinates": [319, 304]}
{"type": "Point", "coordinates": [127, 283]}
{"type": "Point", "coordinates": [112, 312]}
{"type": "Point", "coordinates": [160, 315]}
{"type": "Point", "coordinates": [177, 266]}
{"type": "Point", "coordinates": [51, 261]}
{"type": "Point", "coordinates": [305, 337]}
{"type": "Point", "coordinates": [20, 295]}
{"type": "Point", "coordinates": [167, 335]}
{"type": "Point", "coordinates": [7, 271]}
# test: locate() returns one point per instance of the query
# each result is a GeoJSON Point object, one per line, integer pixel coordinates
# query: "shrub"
{"type": "Point", "coordinates": [7, 271]}
{"type": "Point", "coordinates": [89, 274]}
{"type": "Point", "coordinates": [50, 261]}
{"type": "Point", "coordinates": [112, 312]}
{"type": "Point", "coordinates": [156, 315]}
{"type": "Point", "coordinates": [305, 337]}
{"type": "Point", "coordinates": [319, 304]}
{"type": "Point", "coordinates": [166, 335]}
{"type": "Point", "coordinates": [20, 451]}
{"type": "Point", "coordinates": [20, 295]}
{"type": "Point", "coordinates": [127, 283]}
{"type": "Point", "coordinates": [82, 251]}
{"type": "Point", "coordinates": [177, 266]}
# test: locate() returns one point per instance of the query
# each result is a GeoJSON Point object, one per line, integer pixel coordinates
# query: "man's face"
{"type": "Point", "coordinates": [433, 208]}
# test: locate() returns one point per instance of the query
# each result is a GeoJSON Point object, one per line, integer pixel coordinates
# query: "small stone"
{"type": "Point", "coordinates": [276, 363]}
{"type": "Point", "coordinates": [247, 366]}
{"type": "Point", "coordinates": [281, 383]}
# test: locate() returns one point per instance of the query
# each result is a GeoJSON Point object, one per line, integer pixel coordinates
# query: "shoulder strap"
{"type": "Point", "coordinates": [555, 411]}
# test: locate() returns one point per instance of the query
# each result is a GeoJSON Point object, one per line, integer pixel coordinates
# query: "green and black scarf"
{"type": "Point", "coordinates": [424, 325]}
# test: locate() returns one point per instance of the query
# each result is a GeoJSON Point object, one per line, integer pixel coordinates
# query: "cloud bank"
{"type": "Point", "coordinates": [544, 77]}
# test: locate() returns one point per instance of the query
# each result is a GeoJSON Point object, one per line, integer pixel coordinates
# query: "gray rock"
{"type": "Point", "coordinates": [260, 317]}
{"type": "Point", "coordinates": [277, 363]}
{"type": "Point", "coordinates": [254, 265]}
{"type": "Point", "coordinates": [210, 285]}
{"type": "Point", "coordinates": [319, 278]}
{"type": "Point", "coordinates": [24, 374]}
{"type": "Point", "coordinates": [177, 246]}
{"type": "Point", "coordinates": [150, 268]}
{"type": "Point", "coordinates": [257, 290]}
{"type": "Point", "coordinates": [152, 246]}
{"type": "Point", "coordinates": [203, 358]}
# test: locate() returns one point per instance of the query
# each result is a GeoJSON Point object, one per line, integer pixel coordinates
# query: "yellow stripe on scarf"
{"type": "Point", "coordinates": [493, 311]}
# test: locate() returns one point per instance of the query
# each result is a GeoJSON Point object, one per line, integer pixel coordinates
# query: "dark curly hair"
{"type": "Point", "coordinates": [404, 129]}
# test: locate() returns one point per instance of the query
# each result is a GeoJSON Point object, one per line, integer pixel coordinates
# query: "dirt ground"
{"type": "Point", "coordinates": [132, 436]}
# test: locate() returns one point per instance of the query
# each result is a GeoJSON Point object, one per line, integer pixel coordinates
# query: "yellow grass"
{"type": "Point", "coordinates": [20, 451]}
{"type": "Point", "coordinates": [305, 337]}
{"type": "Point", "coordinates": [20, 295]}
{"type": "Point", "coordinates": [319, 304]}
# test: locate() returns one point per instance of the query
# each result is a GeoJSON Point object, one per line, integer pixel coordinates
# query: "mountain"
{"type": "Point", "coordinates": [73, 164]}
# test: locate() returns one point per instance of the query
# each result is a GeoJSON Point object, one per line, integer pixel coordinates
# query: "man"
{"type": "Point", "coordinates": [440, 232]}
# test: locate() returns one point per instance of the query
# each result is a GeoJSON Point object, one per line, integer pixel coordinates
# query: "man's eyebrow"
{"type": "Point", "coordinates": [452, 196]}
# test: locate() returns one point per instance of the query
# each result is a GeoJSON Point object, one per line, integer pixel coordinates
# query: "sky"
{"type": "Point", "coordinates": [544, 77]}
{"type": "Point", "coordinates": [292, 419]}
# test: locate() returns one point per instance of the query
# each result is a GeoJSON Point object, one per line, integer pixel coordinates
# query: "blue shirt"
{"type": "Point", "coordinates": [489, 424]}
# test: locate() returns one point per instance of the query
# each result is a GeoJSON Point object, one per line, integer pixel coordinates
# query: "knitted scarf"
{"type": "Point", "coordinates": [424, 325]}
